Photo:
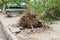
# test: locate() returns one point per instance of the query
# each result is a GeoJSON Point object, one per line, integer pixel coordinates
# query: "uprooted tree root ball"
{"type": "Point", "coordinates": [30, 21]}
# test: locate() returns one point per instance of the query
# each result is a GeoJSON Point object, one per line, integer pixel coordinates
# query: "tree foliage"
{"type": "Point", "coordinates": [41, 5]}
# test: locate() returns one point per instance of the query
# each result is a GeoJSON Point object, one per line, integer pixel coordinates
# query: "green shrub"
{"type": "Point", "coordinates": [53, 12]}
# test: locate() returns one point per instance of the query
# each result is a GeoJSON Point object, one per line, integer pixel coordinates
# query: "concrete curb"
{"type": "Point", "coordinates": [8, 34]}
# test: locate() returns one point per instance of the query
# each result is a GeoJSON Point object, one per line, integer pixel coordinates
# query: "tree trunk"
{"type": "Point", "coordinates": [4, 9]}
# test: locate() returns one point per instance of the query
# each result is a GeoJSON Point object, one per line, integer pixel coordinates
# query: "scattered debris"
{"type": "Point", "coordinates": [14, 29]}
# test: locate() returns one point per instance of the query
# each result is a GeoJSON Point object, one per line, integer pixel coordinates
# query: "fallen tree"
{"type": "Point", "coordinates": [30, 20]}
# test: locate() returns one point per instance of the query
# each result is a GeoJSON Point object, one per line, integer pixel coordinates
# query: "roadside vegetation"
{"type": "Point", "coordinates": [48, 10]}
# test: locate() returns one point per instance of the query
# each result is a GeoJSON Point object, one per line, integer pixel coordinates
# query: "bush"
{"type": "Point", "coordinates": [53, 12]}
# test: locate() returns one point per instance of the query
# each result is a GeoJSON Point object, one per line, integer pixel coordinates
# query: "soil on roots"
{"type": "Point", "coordinates": [30, 21]}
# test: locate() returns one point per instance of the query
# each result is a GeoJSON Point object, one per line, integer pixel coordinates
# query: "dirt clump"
{"type": "Point", "coordinates": [9, 15]}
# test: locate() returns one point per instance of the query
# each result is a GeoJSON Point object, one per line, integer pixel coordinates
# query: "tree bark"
{"type": "Point", "coordinates": [4, 9]}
